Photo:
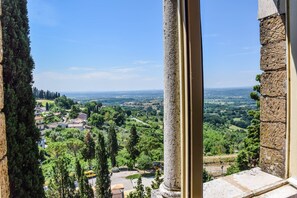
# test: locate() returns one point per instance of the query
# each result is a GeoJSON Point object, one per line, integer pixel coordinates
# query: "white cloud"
{"type": "Point", "coordinates": [142, 62]}
{"type": "Point", "coordinates": [93, 79]}
{"type": "Point", "coordinates": [82, 68]}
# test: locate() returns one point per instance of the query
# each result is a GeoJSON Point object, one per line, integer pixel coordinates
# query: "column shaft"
{"type": "Point", "coordinates": [172, 147]}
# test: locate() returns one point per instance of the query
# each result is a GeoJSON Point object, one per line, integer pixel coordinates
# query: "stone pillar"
{"type": "Point", "coordinates": [273, 87]}
{"type": "Point", "coordinates": [171, 186]}
{"type": "Point", "coordinates": [4, 184]}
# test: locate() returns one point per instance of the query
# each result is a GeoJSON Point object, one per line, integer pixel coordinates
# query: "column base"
{"type": "Point", "coordinates": [164, 192]}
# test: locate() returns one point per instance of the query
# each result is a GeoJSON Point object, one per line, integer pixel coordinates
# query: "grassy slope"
{"type": "Point", "coordinates": [44, 101]}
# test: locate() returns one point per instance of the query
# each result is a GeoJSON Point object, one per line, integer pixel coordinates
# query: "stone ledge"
{"type": "Point", "coordinates": [273, 29]}
{"type": "Point", "coordinates": [273, 56]}
{"type": "Point", "coordinates": [273, 135]}
{"type": "Point", "coordinates": [267, 8]}
{"type": "Point", "coordinates": [239, 184]}
{"type": "Point", "coordinates": [273, 109]}
{"type": "Point", "coordinates": [286, 191]}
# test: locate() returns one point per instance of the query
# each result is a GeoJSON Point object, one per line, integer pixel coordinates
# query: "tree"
{"type": "Point", "coordinates": [139, 193]}
{"type": "Point", "coordinates": [25, 175]}
{"type": "Point", "coordinates": [248, 157]}
{"type": "Point", "coordinates": [61, 182]}
{"type": "Point", "coordinates": [140, 188]}
{"type": "Point", "coordinates": [64, 102]}
{"type": "Point", "coordinates": [157, 181]}
{"type": "Point", "coordinates": [74, 145]}
{"type": "Point", "coordinates": [148, 192]}
{"type": "Point", "coordinates": [85, 189]}
{"type": "Point", "coordinates": [144, 162]}
{"type": "Point", "coordinates": [74, 111]}
{"type": "Point", "coordinates": [132, 144]}
{"type": "Point", "coordinates": [119, 118]}
{"type": "Point", "coordinates": [113, 146]}
{"type": "Point", "coordinates": [89, 149]}
{"type": "Point", "coordinates": [103, 178]}
{"type": "Point", "coordinates": [46, 106]}
{"type": "Point", "coordinates": [206, 176]}
{"type": "Point", "coordinates": [96, 120]}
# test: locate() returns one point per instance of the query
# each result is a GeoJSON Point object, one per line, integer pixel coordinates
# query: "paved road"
{"type": "Point", "coordinates": [140, 121]}
{"type": "Point", "coordinates": [120, 178]}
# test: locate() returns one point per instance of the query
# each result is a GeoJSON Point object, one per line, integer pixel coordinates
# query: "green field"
{"type": "Point", "coordinates": [44, 101]}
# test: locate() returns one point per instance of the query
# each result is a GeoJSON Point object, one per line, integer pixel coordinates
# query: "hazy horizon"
{"type": "Point", "coordinates": [148, 90]}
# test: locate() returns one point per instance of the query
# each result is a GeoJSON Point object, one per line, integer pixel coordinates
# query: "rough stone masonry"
{"type": "Point", "coordinates": [273, 95]}
{"type": "Point", "coordinates": [4, 184]}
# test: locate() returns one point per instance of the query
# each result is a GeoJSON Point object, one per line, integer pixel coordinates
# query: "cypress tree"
{"type": "Point", "coordinates": [113, 146]}
{"type": "Point", "coordinates": [132, 144]}
{"type": "Point", "coordinates": [103, 178]}
{"type": "Point", "coordinates": [85, 189]}
{"type": "Point", "coordinates": [24, 170]}
{"type": "Point", "coordinates": [47, 106]}
{"type": "Point", "coordinates": [89, 150]}
{"type": "Point", "coordinates": [61, 183]}
{"type": "Point", "coordinates": [140, 188]}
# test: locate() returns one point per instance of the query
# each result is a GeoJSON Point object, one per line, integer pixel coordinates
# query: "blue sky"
{"type": "Point", "coordinates": [112, 45]}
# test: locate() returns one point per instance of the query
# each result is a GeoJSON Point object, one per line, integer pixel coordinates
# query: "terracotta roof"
{"type": "Point", "coordinates": [117, 187]}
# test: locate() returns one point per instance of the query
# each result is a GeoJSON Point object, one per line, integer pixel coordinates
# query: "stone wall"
{"type": "Point", "coordinates": [4, 184]}
{"type": "Point", "coordinates": [273, 95]}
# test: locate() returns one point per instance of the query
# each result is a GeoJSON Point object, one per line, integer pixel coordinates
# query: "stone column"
{"type": "Point", "coordinates": [4, 184]}
{"type": "Point", "coordinates": [171, 186]}
{"type": "Point", "coordinates": [273, 87]}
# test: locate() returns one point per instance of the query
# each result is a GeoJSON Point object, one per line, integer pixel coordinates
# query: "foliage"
{"type": "Point", "coordinates": [74, 145]}
{"type": "Point", "coordinates": [24, 170]}
{"type": "Point", "coordinates": [113, 146]}
{"type": "Point", "coordinates": [139, 193]}
{"type": "Point", "coordinates": [123, 157]}
{"type": "Point", "coordinates": [132, 144]}
{"type": "Point", "coordinates": [96, 120]}
{"type": "Point", "coordinates": [134, 176]}
{"type": "Point", "coordinates": [221, 140]}
{"type": "Point", "coordinates": [61, 184]}
{"type": "Point", "coordinates": [103, 178]}
{"type": "Point", "coordinates": [85, 189]}
{"type": "Point", "coordinates": [148, 192]}
{"type": "Point", "coordinates": [157, 181]}
{"type": "Point", "coordinates": [144, 162]}
{"type": "Point", "coordinates": [151, 144]}
{"type": "Point", "coordinates": [74, 111]}
{"type": "Point", "coordinates": [206, 176]}
{"type": "Point", "coordinates": [93, 107]}
{"type": "Point", "coordinates": [249, 156]}
{"type": "Point", "coordinates": [89, 149]}
{"type": "Point", "coordinates": [41, 94]}
{"type": "Point", "coordinates": [119, 118]}
{"type": "Point", "coordinates": [64, 102]}
{"type": "Point", "coordinates": [233, 169]}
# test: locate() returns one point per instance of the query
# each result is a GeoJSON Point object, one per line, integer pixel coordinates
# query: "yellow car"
{"type": "Point", "coordinates": [90, 174]}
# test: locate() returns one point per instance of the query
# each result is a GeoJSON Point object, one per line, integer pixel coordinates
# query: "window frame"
{"type": "Point", "coordinates": [192, 97]}
{"type": "Point", "coordinates": [291, 159]}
